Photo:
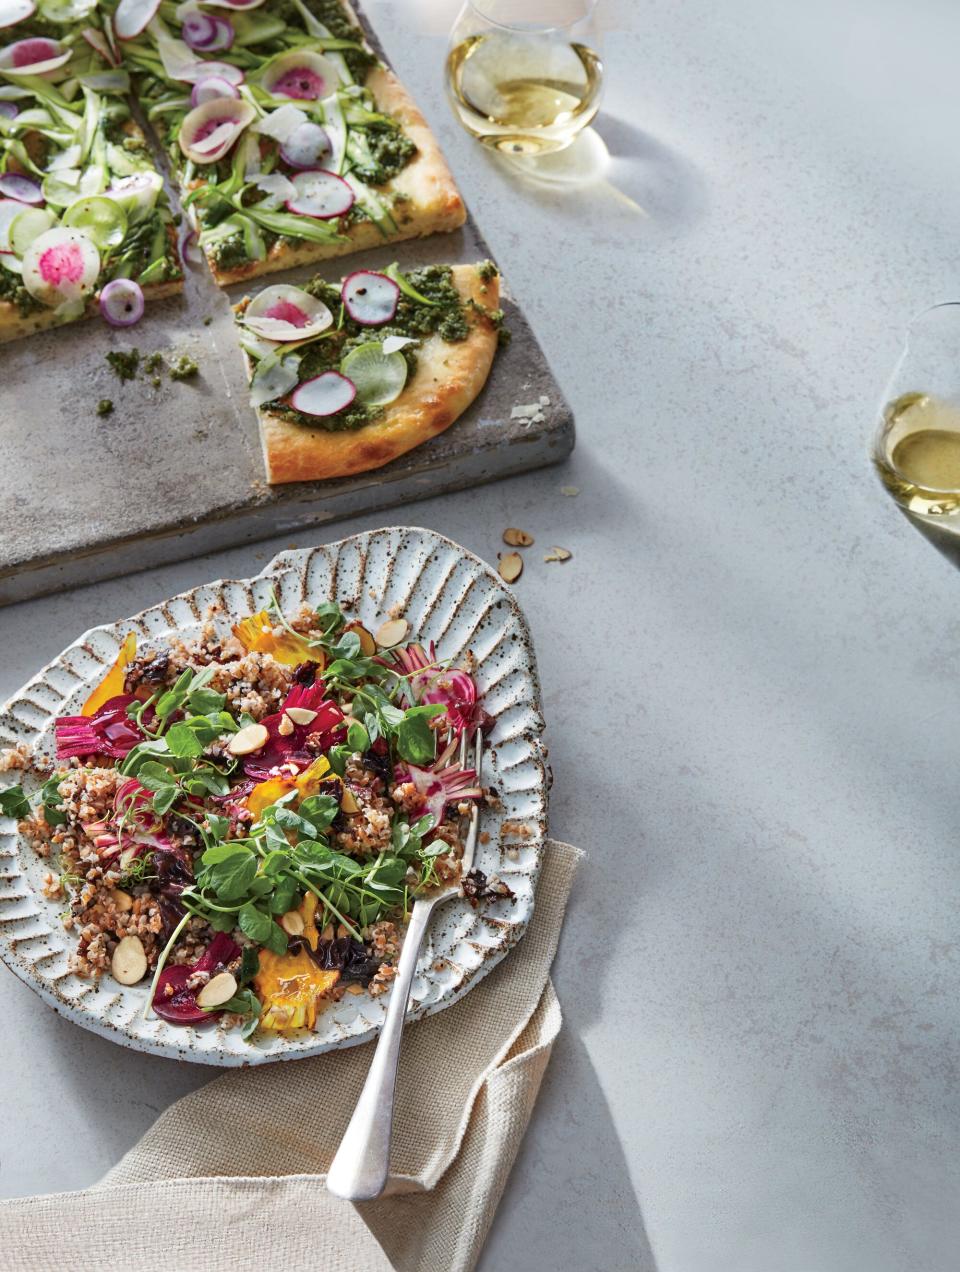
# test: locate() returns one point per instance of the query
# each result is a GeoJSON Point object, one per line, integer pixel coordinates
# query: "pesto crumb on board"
{"type": "Point", "coordinates": [125, 363]}
{"type": "Point", "coordinates": [104, 407]}
{"type": "Point", "coordinates": [185, 368]}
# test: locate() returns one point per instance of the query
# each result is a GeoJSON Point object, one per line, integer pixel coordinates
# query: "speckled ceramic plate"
{"type": "Point", "coordinates": [449, 596]}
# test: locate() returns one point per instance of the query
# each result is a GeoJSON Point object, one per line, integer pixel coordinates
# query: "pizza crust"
{"type": "Point", "coordinates": [447, 379]}
{"type": "Point", "coordinates": [13, 326]}
{"type": "Point", "coordinates": [433, 202]}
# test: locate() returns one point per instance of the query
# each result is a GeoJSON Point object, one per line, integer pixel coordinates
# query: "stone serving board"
{"type": "Point", "coordinates": [176, 471]}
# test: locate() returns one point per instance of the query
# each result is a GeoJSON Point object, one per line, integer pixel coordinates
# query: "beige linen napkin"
{"type": "Point", "coordinates": [231, 1176]}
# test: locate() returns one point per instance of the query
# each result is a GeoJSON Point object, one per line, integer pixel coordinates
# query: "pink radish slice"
{"type": "Point", "coordinates": [133, 16]}
{"type": "Point", "coordinates": [208, 90]}
{"type": "Point", "coordinates": [198, 30]}
{"type": "Point", "coordinates": [9, 209]}
{"type": "Point", "coordinates": [208, 70]}
{"type": "Point", "coordinates": [122, 303]}
{"type": "Point", "coordinates": [98, 43]}
{"type": "Point", "coordinates": [209, 131]}
{"type": "Point", "coordinates": [234, 4]}
{"type": "Point", "coordinates": [324, 395]}
{"type": "Point", "coordinates": [225, 36]}
{"type": "Point", "coordinates": [190, 248]}
{"type": "Point", "coordinates": [300, 74]}
{"type": "Point", "coordinates": [34, 56]}
{"type": "Point", "coordinates": [370, 298]}
{"type": "Point", "coordinates": [60, 265]}
{"type": "Point", "coordinates": [287, 313]}
{"type": "Point", "coordinates": [320, 194]}
{"type": "Point", "coordinates": [12, 11]}
{"type": "Point", "coordinates": [306, 147]}
{"type": "Point", "coordinates": [15, 186]}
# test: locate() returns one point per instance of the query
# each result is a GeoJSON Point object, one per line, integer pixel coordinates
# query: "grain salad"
{"type": "Point", "coordinates": [241, 823]}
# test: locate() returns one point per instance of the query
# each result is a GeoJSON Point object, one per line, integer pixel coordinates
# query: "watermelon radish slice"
{"type": "Point", "coordinates": [10, 209]}
{"type": "Point", "coordinates": [209, 131]}
{"type": "Point", "coordinates": [122, 303]}
{"type": "Point", "coordinates": [133, 16]}
{"type": "Point", "coordinates": [206, 70]}
{"type": "Point", "coordinates": [320, 194]}
{"type": "Point", "coordinates": [300, 74]}
{"type": "Point", "coordinates": [209, 89]}
{"type": "Point", "coordinates": [379, 377]}
{"type": "Point", "coordinates": [371, 298]}
{"type": "Point", "coordinates": [207, 34]}
{"type": "Point", "coordinates": [34, 56]}
{"type": "Point", "coordinates": [15, 186]}
{"type": "Point", "coordinates": [307, 146]}
{"type": "Point", "coordinates": [325, 394]}
{"type": "Point", "coordinates": [13, 11]}
{"type": "Point", "coordinates": [61, 265]}
{"type": "Point", "coordinates": [287, 313]}
{"type": "Point", "coordinates": [98, 43]}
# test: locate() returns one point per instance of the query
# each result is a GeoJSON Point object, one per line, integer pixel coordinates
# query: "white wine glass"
{"type": "Point", "coordinates": [525, 76]}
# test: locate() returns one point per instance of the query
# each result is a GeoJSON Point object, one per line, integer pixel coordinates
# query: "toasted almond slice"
{"type": "Point", "coordinates": [292, 923]}
{"type": "Point", "coordinates": [129, 962]}
{"type": "Point", "coordinates": [218, 989]}
{"type": "Point", "coordinates": [558, 554]}
{"type": "Point", "coordinates": [368, 646]}
{"type": "Point", "coordinates": [122, 900]}
{"type": "Point", "coordinates": [285, 727]}
{"type": "Point", "coordinates": [354, 989]}
{"type": "Point", "coordinates": [248, 739]}
{"type": "Point", "coordinates": [348, 801]}
{"type": "Point", "coordinates": [341, 931]}
{"type": "Point", "coordinates": [392, 632]}
{"type": "Point", "coordinates": [510, 567]}
{"type": "Point", "coordinates": [128, 856]}
{"type": "Point", "coordinates": [517, 538]}
{"type": "Point", "coordinates": [301, 715]}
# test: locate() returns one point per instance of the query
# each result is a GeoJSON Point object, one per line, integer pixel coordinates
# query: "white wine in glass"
{"type": "Point", "coordinates": [524, 76]}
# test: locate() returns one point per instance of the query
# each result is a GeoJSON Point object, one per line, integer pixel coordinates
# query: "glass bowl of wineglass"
{"type": "Point", "coordinates": [525, 77]}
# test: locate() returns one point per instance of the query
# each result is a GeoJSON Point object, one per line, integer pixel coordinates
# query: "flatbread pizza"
{"type": "Point", "coordinates": [291, 141]}
{"type": "Point", "coordinates": [346, 378]}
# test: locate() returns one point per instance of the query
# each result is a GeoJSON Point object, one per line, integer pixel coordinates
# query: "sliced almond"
{"type": "Point", "coordinates": [129, 962]}
{"type": "Point", "coordinates": [517, 538]}
{"type": "Point", "coordinates": [285, 727]}
{"type": "Point", "coordinates": [348, 801]}
{"type": "Point", "coordinates": [129, 856]}
{"type": "Point", "coordinates": [301, 715]}
{"type": "Point", "coordinates": [292, 923]}
{"type": "Point", "coordinates": [122, 900]}
{"type": "Point", "coordinates": [558, 554]}
{"type": "Point", "coordinates": [248, 739]}
{"type": "Point", "coordinates": [218, 990]}
{"type": "Point", "coordinates": [341, 931]}
{"type": "Point", "coordinates": [368, 646]}
{"type": "Point", "coordinates": [392, 632]}
{"type": "Point", "coordinates": [510, 567]}
{"type": "Point", "coordinates": [354, 988]}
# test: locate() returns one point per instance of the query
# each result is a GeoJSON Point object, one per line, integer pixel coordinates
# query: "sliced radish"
{"type": "Point", "coordinates": [205, 70]}
{"type": "Point", "coordinates": [234, 4]}
{"type": "Point", "coordinates": [12, 11]}
{"type": "Point", "coordinates": [301, 74]}
{"type": "Point", "coordinates": [34, 56]}
{"type": "Point", "coordinates": [9, 110]}
{"type": "Point", "coordinates": [209, 89]}
{"type": "Point", "coordinates": [15, 186]}
{"type": "Point", "coordinates": [209, 131]}
{"type": "Point", "coordinates": [190, 248]}
{"type": "Point", "coordinates": [371, 298]}
{"type": "Point", "coordinates": [379, 377]}
{"type": "Point", "coordinates": [307, 146]}
{"type": "Point", "coordinates": [287, 313]}
{"type": "Point", "coordinates": [98, 42]}
{"type": "Point", "coordinates": [10, 209]}
{"type": "Point", "coordinates": [207, 34]}
{"type": "Point", "coordinates": [133, 16]}
{"type": "Point", "coordinates": [61, 266]}
{"type": "Point", "coordinates": [325, 394]}
{"type": "Point", "coordinates": [29, 225]}
{"type": "Point", "coordinates": [320, 194]}
{"type": "Point", "coordinates": [122, 303]}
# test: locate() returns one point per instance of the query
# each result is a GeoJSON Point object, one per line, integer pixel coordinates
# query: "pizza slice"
{"type": "Point", "coordinates": [84, 219]}
{"type": "Point", "coordinates": [346, 377]}
{"type": "Point", "coordinates": [291, 141]}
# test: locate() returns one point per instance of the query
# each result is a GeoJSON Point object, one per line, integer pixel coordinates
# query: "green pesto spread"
{"type": "Point", "coordinates": [13, 292]}
{"type": "Point", "coordinates": [446, 315]}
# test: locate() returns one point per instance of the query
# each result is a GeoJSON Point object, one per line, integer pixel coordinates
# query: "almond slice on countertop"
{"type": "Point", "coordinates": [248, 739]}
{"type": "Point", "coordinates": [129, 961]}
{"type": "Point", "coordinates": [517, 538]}
{"type": "Point", "coordinates": [218, 990]}
{"type": "Point", "coordinates": [391, 632]}
{"type": "Point", "coordinates": [301, 715]}
{"type": "Point", "coordinates": [292, 923]}
{"type": "Point", "coordinates": [510, 567]}
{"type": "Point", "coordinates": [558, 554]}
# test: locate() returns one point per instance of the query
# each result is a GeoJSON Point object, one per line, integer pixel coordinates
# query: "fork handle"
{"type": "Point", "coordinates": [360, 1168]}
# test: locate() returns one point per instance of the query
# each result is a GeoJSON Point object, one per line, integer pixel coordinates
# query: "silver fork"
{"type": "Point", "coordinates": [360, 1168]}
